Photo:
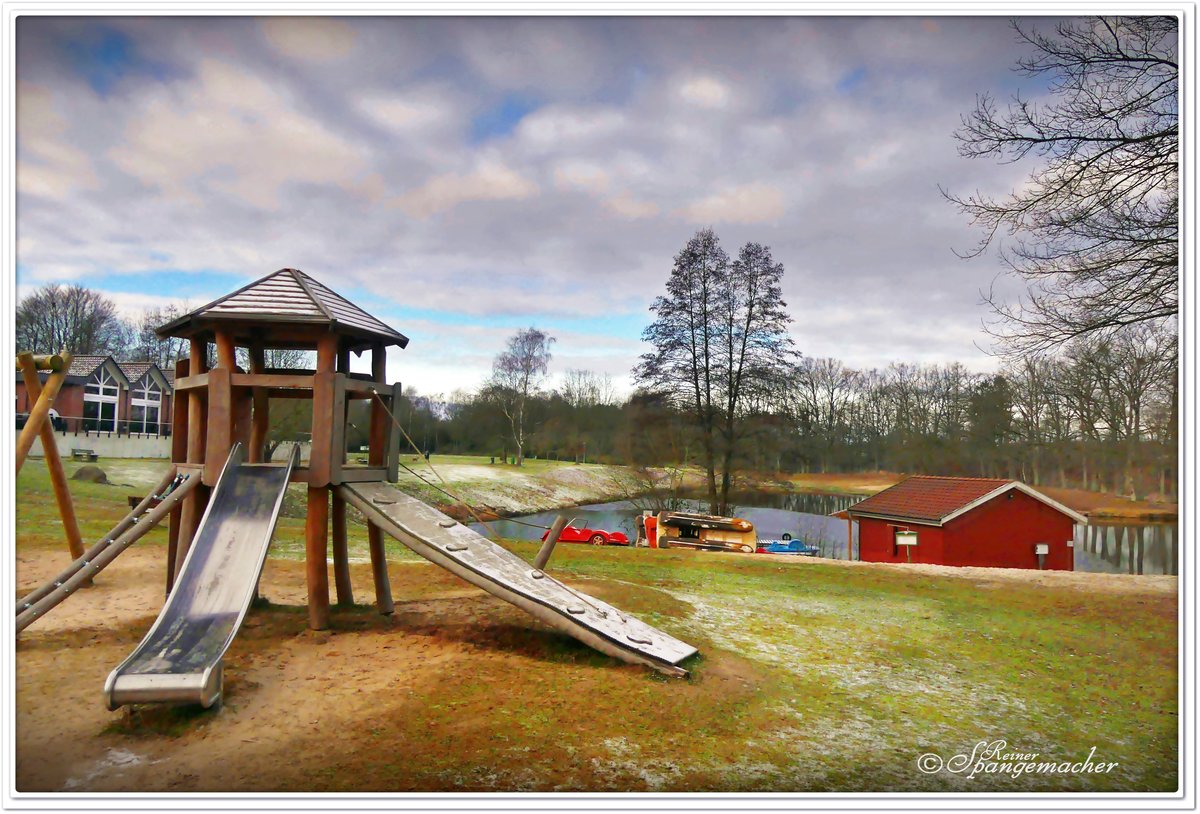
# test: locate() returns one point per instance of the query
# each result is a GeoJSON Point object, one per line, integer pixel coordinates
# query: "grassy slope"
{"type": "Point", "coordinates": [812, 676]}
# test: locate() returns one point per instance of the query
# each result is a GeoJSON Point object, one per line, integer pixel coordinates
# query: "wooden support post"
{"type": "Point", "coordinates": [392, 454]}
{"type": "Point", "coordinates": [556, 530]}
{"type": "Point", "coordinates": [58, 477]}
{"type": "Point", "coordinates": [315, 555]}
{"type": "Point", "coordinates": [197, 435]}
{"type": "Point", "coordinates": [319, 463]}
{"type": "Point", "coordinates": [260, 421]}
{"type": "Point", "coordinates": [341, 552]}
{"type": "Point", "coordinates": [1141, 547]}
{"type": "Point", "coordinates": [375, 457]}
{"type": "Point", "coordinates": [849, 539]}
{"type": "Point", "coordinates": [179, 442]}
{"type": "Point", "coordinates": [337, 441]}
{"type": "Point", "coordinates": [221, 410]}
{"type": "Point", "coordinates": [38, 415]}
{"type": "Point", "coordinates": [383, 586]}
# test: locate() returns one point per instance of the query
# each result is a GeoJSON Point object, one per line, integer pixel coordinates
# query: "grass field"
{"type": "Point", "coordinates": [812, 676]}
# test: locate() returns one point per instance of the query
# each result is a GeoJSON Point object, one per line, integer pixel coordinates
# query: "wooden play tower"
{"type": "Point", "coordinates": [226, 403]}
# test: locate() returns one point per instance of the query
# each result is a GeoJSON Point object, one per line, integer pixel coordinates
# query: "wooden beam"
{"type": "Point", "coordinates": [281, 381]}
{"type": "Point", "coordinates": [220, 424]}
{"type": "Point", "coordinates": [315, 556]}
{"type": "Point", "coordinates": [377, 433]}
{"type": "Point", "coordinates": [38, 415]}
{"type": "Point", "coordinates": [337, 441]}
{"type": "Point", "coordinates": [52, 361]}
{"type": "Point", "coordinates": [197, 435]}
{"type": "Point", "coordinates": [179, 445]}
{"type": "Point", "coordinates": [58, 477]}
{"type": "Point", "coordinates": [341, 552]}
{"type": "Point", "coordinates": [320, 456]}
{"type": "Point", "coordinates": [199, 381]}
{"type": "Point", "coordinates": [392, 455]}
{"type": "Point", "coordinates": [260, 421]}
{"type": "Point", "coordinates": [226, 351]}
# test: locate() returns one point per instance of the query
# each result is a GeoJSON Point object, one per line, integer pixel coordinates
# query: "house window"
{"type": "Point", "coordinates": [100, 395]}
{"type": "Point", "coordinates": [144, 407]}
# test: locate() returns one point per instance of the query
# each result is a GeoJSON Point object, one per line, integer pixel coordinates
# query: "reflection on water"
{"type": "Point", "coordinates": [1107, 548]}
{"type": "Point", "coordinates": [1127, 549]}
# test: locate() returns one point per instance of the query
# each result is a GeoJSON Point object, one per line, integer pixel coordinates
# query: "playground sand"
{"type": "Point", "coordinates": [292, 698]}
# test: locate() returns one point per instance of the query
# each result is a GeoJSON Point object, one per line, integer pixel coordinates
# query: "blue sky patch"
{"type": "Point", "coordinates": [501, 119]}
{"type": "Point", "coordinates": [104, 56]}
{"type": "Point", "coordinates": [851, 81]}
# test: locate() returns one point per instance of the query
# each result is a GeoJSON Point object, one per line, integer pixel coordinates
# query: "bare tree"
{"type": "Point", "coordinates": [1095, 229]}
{"type": "Point", "coordinates": [73, 318]}
{"type": "Point", "coordinates": [719, 337]}
{"type": "Point", "coordinates": [517, 374]}
{"type": "Point", "coordinates": [585, 388]}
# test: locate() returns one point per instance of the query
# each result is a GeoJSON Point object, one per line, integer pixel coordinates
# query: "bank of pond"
{"type": "Point", "coordinates": [1103, 546]}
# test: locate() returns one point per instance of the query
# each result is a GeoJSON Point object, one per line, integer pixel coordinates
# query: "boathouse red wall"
{"type": "Point", "coordinates": [1001, 533]}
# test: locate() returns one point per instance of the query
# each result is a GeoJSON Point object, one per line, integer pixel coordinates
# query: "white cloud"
{"type": "Point", "coordinates": [311, 39]}
{"type": "Point", "coordinates": [47, 164]}
{"type": "Point", "coordinates": [751, 203]}
{"type": "Point", "coordinates": [627, 206]}
{"type": "Point", "coordinates": [706, 92]}
{"type": "Point", "coordinates": [490, 182]}
{"type": "Point", "coordinates": [233, 133]}
{"type": "Point", "coordinates": [581, 175]}
{"type": "Point", "coordinates": [560, 128]}
{"type": "Point", "coordinates": [407, 114]}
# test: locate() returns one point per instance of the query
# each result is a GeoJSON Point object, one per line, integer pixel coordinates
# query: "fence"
{"type": "Point", "coordinates": [85, 427]}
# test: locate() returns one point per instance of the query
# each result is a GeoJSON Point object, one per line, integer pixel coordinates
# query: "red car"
{"type": "Point", "coordinates": [573, 534]}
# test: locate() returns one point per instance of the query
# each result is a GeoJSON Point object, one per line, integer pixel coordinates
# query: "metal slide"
{"type": "Point", "coordinates": [448, 543]}
{"type": "Point", "coordinates": [180, 658]}
{"type": "Point", "coordinates": [132, 528]}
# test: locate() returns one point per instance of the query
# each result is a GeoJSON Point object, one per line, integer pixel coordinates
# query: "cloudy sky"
{"type": "Point", "coordinates": [462, 178]}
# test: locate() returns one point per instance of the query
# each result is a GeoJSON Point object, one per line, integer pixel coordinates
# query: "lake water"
{"type": "Point", "coordinates": [1116, 548]}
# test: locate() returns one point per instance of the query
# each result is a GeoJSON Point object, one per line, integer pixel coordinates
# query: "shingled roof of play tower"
{"type": "Point", "coordinates": [287, 297]}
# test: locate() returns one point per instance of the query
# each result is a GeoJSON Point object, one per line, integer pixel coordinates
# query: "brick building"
{"type": "Point", "coordinates": [103, 395]}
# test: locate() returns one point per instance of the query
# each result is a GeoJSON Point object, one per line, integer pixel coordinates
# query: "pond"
{"type": "Point", "coordinates": [1104, 546]}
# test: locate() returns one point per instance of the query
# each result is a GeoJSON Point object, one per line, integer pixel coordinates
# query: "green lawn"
{"type": "Point", "coordinates": [812, 676]}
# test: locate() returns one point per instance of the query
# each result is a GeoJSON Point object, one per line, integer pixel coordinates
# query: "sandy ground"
{"type": "Point", "coordinates": [292, 696]}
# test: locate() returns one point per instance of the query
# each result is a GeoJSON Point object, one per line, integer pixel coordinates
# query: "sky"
{"type": "Point", "coordinates": [465, 178]}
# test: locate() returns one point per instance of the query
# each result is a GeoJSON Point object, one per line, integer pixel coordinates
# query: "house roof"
{"type": "Point", "coordinates": [85, 365]}
{"type": "Point", "coordinates": [286, 297]}
{"type": "Point", "coordinates": [134, 371]}
{"type": "Point", "coordinates": [930, 500]}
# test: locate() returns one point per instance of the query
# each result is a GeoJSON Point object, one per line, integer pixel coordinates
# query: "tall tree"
{"type": "Point", "coordinates": [517, 374]}
{"type": "Point", "coordinates": [719, 337]}
{"type": "Point", "coordinates": [74, 318]}
{"type": "Point", "coordinates": [1096, 226]}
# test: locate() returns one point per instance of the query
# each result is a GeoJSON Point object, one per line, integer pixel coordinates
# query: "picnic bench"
{"type": "Point", "coordinates": [84, 455]}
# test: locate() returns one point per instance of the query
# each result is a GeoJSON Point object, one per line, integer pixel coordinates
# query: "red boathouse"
{"type": "Point", "coordinates": [965, 521]}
